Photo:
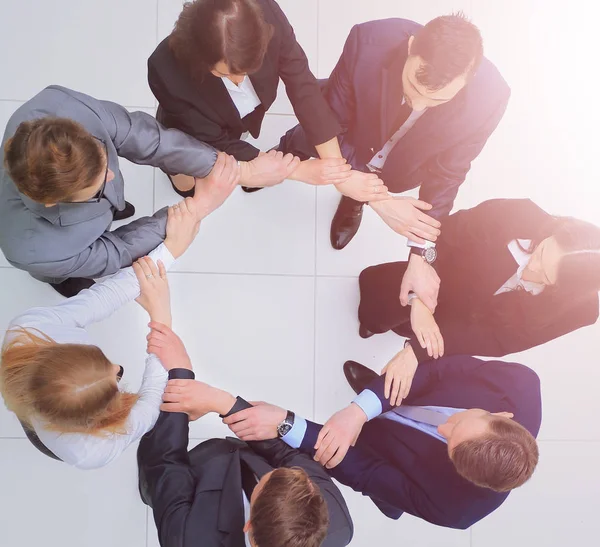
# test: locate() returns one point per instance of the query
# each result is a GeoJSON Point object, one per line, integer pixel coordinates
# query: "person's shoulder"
{"type": "Point", "coordinates": [489, 82]}
{"type": "Point", "coordinates": [393, 31]}
{"type": "Point", "coordinates": [162, 55]}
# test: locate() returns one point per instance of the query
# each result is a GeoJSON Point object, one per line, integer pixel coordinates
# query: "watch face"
{"type": "Point", "coordinates": [430, 254]}
{"type": "Point", "coordinates": [284, 428]}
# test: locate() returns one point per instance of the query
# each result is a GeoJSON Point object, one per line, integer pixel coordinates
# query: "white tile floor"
{"type": "Point", "coordinates": [267, 308]}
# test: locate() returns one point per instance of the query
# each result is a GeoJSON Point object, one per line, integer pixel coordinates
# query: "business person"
{"type": "Point", "coordinates": [223, 491]}
{"type": "Point", "coordinates": [463, 440]}
{"type": "Point", "coordinates": [217, 74]}
{"type": "Point", "coordinates": [61, 188]}
{"type": "Point", "coordinates": [63, 388]}
{"type": "Point", "coordinates": [417, 105]}
{"type": "Point", "coordinates": [511, 276]}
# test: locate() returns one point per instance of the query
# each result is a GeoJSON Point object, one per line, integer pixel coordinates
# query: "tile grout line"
{"type": "Point", "coordinates": [146, 526]}
{"type": "Point", "coordinates": [315, 287]}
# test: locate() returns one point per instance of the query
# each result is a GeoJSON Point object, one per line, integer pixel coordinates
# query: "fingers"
{"type": "Point", "coordinates": [172, 397]}
{"type": "Point", "coordinates": [327, 449]}
{"type": "Point", "coordinates": [404, 290]}
{"type": "Point", "coordinates": [145, 267]}
{"type": "Point", "coordinates": [338, 457]}
{"type": "Point", "coordinates": [139, 273]}
{"type": "Point", "coordinates": [423, 205]}
{"type": "Point", "coordinates": [440, 341]}
{"type": "Point", "coordinates": [321, 436]}
{"type": "Point", "coordinates": [162, 270]}
{"type": "Point", "coordinates": [171, 407]}
{"type": "Point", "coordinates": [217, 170]}
{"type": "Point", "coordinates": [379, 193]}
{"type": "Point", "coordinates": [412, 233]}
{"type": "Point", "coordinates": [159, 327]}
{"type": "Point", "coordinates": [389, 376]}
{"type": "Point", "coordinates": [406, 385]}
{"type": "Point", "coordinates": [152, 266]}
{"type": "Point", "coordinates": [429, 221]}
{"type": "Point", "coordinates": [429, 301]}
{"type": "Point", "coordinates": [395, 390]}
{"type": "Point", "coordinates": [237, 417]}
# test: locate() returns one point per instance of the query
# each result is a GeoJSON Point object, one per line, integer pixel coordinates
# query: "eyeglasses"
{"type": "Point", "coordinates": [100, 194]}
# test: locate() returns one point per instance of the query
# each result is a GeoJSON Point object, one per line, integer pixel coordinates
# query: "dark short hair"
{"type": "Point", "coordinates": [503, 459]}
{"type": "Point", "coordinates": [290, 511]}
{"type": "Point", "coordinates": [209, 31]}
{"type": "Point", "coordinates": [450, 46]}
{"type": "Point", "coordinates": [52, 159]}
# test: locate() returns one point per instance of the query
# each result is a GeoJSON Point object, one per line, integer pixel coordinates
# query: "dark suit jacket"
{"type": "Point", "coordinates": [473, 263]}
{"type": "Point", "coordinates": [197, 496]}
{"type": "Point", "coordinates": [365, 93]}
{"type": "Point", "coordinates": [205, 110]}
{"type": "Point", "coordinates": [403, 469]}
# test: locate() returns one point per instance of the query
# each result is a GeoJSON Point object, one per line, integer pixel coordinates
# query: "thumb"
{"type": "Point", "coordinates": [404, 290]}
{"type": "Point", "coordinates": [423, 205]}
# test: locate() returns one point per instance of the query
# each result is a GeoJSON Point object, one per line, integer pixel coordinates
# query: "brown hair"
{"type": "Point", "coordinates": [51, 159]}
{"type": "Point", "coordinates": [290, 511]}
{"type": "Point", "coordinates": [71, 387]}
{"type": "Point", "coordinates": [502, 460]}
{"type": "Point", "coordinates": [450, 46]}
{"type": "Point", "coordinates": [209, 31]}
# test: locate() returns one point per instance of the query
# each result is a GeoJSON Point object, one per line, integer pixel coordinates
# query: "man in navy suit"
{"type": "Point", "coordinates": [450, 454]}
{"type": "Point", "coordinates": [417, 105]}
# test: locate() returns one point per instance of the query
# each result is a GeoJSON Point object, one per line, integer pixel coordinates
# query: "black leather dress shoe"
{"type": "Point", "coordinates": [346, 222]}
{"type": "Point", "coordinates": [364, 332]}
{"type": "Point", "coordinates": [182, 193]}
{"type": "Point", "coordinates": [128, 212]}
{"type": "Point", "coordinates": [358, 375]}
{"type": "Point", "coordinates": [250, 189]}
{"type": "Point", "coordinates": [71, 287]}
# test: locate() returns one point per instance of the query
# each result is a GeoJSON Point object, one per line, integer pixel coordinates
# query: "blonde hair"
{"type": "Point", "coordinates": [70, 387]}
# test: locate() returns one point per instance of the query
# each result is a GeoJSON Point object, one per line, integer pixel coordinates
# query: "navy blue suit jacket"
{"type": "Point", "coordinates": [365, 93]}
{"type": "Point", "coordinates": [403, 469]}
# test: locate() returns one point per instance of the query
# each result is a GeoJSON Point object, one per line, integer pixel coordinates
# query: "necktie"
{"type": "Point", "coordinates": [420, 414]}
{"type": "Point", "coordinates": [248, 479]}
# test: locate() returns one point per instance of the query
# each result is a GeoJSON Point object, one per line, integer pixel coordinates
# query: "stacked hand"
{"type": "Point", "coordinates": [422, 279]}
{"type": "Point", "coordinates": [363, 187]}
{"type": "Point", "coordinates": [195, 399]}
{"type": "Point", "coordinates": [154, 289]}
{"type": "Point", "coordinates": [399, 374]}
{"type": "Point", "coordinates": [322, 171]}
{"type": "Point", "coordinates": [258, 423]}
{"type": "Point", "coordinates": [426, 329]}
{"type": "Point", "coordinates": [214, 189]}
{"type": "Point", "coordinates": [268, 169]}
{"type": "Point", "coordinates": [338, 434]}
{"type": "Point", "coordinates": [182, 226]}
{"type": "Point", "coordinates": [168, 347]}
{"type": "Point", "coordinates": [404, 215]}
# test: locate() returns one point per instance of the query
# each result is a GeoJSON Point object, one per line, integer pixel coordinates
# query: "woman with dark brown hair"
{"type": "Point", "coordinates": [217, 74]}
{"type": "Point", "coordinates": [63, 388]}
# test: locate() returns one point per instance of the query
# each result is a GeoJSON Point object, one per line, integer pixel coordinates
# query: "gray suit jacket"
{"type": "Point", "coordinates": [73, 240]}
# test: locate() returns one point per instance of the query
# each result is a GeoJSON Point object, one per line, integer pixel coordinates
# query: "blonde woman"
{"type": "Point", "coordinates": [63, 389]}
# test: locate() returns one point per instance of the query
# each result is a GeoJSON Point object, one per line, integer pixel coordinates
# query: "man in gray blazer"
{"type": "Point", "coordinates": [61, 188]}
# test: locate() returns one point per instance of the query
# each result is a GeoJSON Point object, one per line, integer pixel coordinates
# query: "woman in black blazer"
{"type": "Point", "coordinates": [217, 74]}
{"type": "Point", "coordinates": [511, 277]}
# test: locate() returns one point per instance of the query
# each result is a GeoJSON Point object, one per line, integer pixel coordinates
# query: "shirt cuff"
{"type": "Point", "coordinates": [416, 245]}
{"type": "Point", "coordinates": [181, 374]}
{"type": "Point", "coordinates": [162, 253]}
{"type": "Point", "coordinates": [295, 436]}
{"type": "Point", "coordinates": [369, 403]}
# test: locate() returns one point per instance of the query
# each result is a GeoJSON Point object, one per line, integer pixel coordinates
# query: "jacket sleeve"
{"type": "Point", "coordinates": [166, 479]}
{"type": "Point", "coordinates": [110, 252]}
{"type": "Point", "coordinates": [310, 106]}
{"type": "Point", "coordinates": [278, 454]}
{"type": "Point", "coordinates": [138, 137]}
{"type": "Point", "coordinates": [447, 171]}
{"type": "Point", "coordinates": [471, 338]}
{"type": "Point", "coordinates": [182, 114]}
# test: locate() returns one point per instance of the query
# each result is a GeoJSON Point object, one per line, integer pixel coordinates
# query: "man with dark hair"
{"type": "Point", "coordinates": [450, 454]}
{"type": "Point", "coordinates": [61, 187]}
{"type": "Point", "coordinates": [204, 496]}
{"type": "Point", "coordinates": [417, 105]}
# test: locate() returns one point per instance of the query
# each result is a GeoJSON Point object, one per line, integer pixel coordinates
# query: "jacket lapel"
{"type": "Point", "coordinates": [392, 91]}
{"type": "Point", "coordinates": [231, 509]}
{"type": "Point", "coordinates": [213, 90]}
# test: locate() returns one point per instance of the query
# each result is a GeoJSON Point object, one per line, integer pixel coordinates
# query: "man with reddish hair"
{"type": "Point", "coordinates": [450, 454]}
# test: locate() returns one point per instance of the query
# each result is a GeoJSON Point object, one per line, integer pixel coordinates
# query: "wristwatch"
{"type": "Point", "coordinates": [429, 254]}
{"type": "Point", "coordinates": [284, 427]}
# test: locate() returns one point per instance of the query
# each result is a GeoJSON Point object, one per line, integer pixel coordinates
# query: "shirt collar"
{"type": "Point", "coordinates": [522, 259]}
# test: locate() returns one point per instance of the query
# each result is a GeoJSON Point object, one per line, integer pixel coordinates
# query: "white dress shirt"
{"type": "Point", "coordinates": [66, 323]}
{"type": "Point", "coordinates": [244, 96]}
{"type": "Point", "coordinates": [516, 282]}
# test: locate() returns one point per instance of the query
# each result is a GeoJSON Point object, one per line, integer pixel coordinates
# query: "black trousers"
{"type": "Point", "coordinates": [380, 309]}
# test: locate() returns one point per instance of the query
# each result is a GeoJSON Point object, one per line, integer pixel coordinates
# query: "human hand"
{"type": "Point", "coordinates": [322, 171]}
{"type": "Point", "coordinates": [426, 329]}
{"type": "Point", "coordinates": [363, 187]}
{"type": "Point", "coordinates": [399, 374]}
{"type": "Point", "coordinates": [403, 215]}
{"type": "Point", "coordinates": [338, 434]}
{"type": "Point", "coordinates": [154, 290]}
{"type": "Point", "coordinates": [216, 187]}
{"type": "Point", "coordinates": [258, 423]}
{"type": "Point", "coordinates": [268, 169]}
{"type": "Point", "coordinates": [168, 347]}
{"type": "Point", "coordinates": [182, 226]}
{"type": "Point", "coordinates": [422, 279]}
{"type": "Point", "coordinates": [195, 399]}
